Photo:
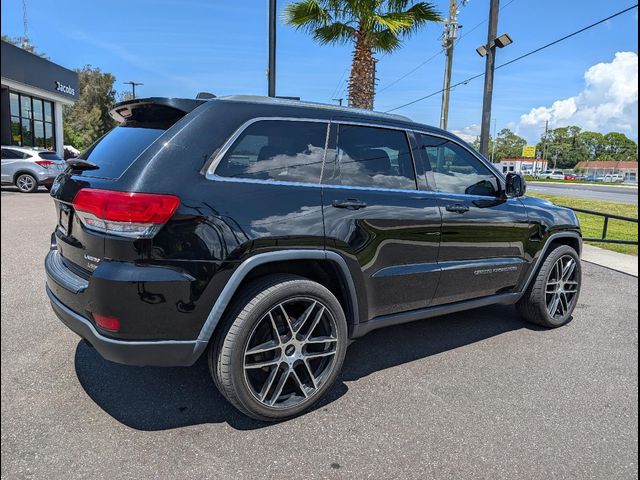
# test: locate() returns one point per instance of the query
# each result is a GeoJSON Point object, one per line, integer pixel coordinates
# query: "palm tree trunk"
{"type": "Point", "coordinates": [363, 75]}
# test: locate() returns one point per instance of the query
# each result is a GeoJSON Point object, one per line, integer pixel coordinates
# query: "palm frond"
{"type": "Point", "coordinates": [385, 41]}
{"type": "Point", "coordinates": [307, 15]}
{"type": "Point", "coordinates": [336, 32]}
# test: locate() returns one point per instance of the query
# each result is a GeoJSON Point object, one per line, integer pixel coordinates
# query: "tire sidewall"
{"type": "Point", "coordinates": [286, 290]}
{"type": "Point", "coordinates": [550, 261]}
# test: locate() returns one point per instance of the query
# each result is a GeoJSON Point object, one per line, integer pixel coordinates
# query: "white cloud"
{"type": "Point", "coordinates": [608, 102]}
{"type": "Point", "coordinates": [468, 134]}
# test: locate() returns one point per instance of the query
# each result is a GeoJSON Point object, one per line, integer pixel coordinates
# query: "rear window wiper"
{"type": "Point", "coordinates": [81, 164]}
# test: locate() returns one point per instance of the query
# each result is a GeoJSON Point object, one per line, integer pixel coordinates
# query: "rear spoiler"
{"type": "Point", "coordinates": [162, 108]}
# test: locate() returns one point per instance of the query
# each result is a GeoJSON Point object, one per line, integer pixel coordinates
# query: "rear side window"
{"type": "Point", "coordinates": [118, 149]}
{"type": "Point", "coordinates": [287, 151]}
{"type": "Point", "coordinates": [371, 157]}
{"type": "Point", "coordinates": [53, 156]}
{"type": "Point", "coordinates": [8, 153]}
{"type": "Point", "coordinates": [455, 170]}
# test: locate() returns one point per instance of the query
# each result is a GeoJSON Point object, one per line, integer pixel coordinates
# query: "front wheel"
{"type": "Point", "coordinates": [281, 347]}
{"type": "Point", "coordinates": [552, 296]}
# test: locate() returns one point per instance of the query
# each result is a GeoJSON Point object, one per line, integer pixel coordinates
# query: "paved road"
{"type": "Point", "coordinates": [593, 192]}
{"type": "Point", "coordinates": [472, 395]}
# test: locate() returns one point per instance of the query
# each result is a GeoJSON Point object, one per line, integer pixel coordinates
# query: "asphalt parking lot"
{"type": "Point", "coordinates": [472, 395]}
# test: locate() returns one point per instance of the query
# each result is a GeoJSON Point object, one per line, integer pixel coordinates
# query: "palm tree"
{"type": "Point", "coordinates": [373, 26]}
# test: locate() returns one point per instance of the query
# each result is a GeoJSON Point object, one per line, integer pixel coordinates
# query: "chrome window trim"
{"type": "Point", "coordinates": [219, 155]}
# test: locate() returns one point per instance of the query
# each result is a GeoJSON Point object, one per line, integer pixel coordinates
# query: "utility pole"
{"type": "Point", "coordinates": [271, 69]}
{"type": "Point", "coordinates": [133, 87]}
{"type": "Point", "coordinates": [493, 145]}
{"type": "Point", "coordinates": [339, 100]}
{"type": "Point", "coordinates": [449, 38]}
{"type": "Point", "coordinates": [488, 77]}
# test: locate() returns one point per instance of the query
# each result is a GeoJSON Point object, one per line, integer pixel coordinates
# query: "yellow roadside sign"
{"type": "Point", "coordinates": [529, 151]}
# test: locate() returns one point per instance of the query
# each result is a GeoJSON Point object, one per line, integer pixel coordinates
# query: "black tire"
{"type": "Point", "coordinates": [536, 303]}
{"type": "Point", "coordinates": [26, 183]}
{"type": "Point", "coordinates": [246, 319]}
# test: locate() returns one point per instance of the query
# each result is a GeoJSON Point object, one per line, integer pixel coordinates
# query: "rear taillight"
{"type": "Point", "coordinates": [45, 163]}
{"type": "Point", "coordinates": [136, 215]}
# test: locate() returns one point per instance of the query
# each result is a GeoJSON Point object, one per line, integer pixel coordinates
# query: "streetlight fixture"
{"type": "Point", "coordinates": [500, 42]}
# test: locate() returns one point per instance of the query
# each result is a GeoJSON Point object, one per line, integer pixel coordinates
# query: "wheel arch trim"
{"type": "Point", "coordinates": [229, 290]}
{"type": "Point", "coordinates": [538, 261]}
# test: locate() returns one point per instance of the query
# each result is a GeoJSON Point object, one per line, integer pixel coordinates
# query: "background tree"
{"type": "Point", "coordinates": [88, 119]}
{"type": "Point", "coordinates": [372, 26]}
{"type": "Point", "coordinates": [24, 44]}
{"type": "Point", "coordinates": [507, 145]}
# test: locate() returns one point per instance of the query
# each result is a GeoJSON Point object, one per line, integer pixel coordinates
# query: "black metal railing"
{"type": "Point", "coordinates": [605, 226]}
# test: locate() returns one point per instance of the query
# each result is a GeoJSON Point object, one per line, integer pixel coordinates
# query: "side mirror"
{"type": "Point", "coordinates": [516, 185]}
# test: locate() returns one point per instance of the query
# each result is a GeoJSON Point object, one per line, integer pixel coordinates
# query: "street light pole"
{"type": "Point", "coordinates": [448, 41]}
{"type": "Point", "coordinates": [133, 87]}
{"type": "Point", "coordinates": [271, 70]}
{"type": "Point", "coordinates": [485, 130]}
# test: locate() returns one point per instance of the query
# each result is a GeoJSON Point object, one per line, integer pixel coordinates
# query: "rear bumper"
{"type": "Point", "coordinates": [162, 353]}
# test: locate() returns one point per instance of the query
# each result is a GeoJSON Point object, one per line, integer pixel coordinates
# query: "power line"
{"type": "Point", "coordinates": [550, 44]}
{"type": "Point", "coordinates": [435, 55]}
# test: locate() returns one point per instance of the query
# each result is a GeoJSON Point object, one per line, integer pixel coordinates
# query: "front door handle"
{"type": "Point", "coordinates": [457, 208]}
{"type": "Point", "coordinates": [349, 204]}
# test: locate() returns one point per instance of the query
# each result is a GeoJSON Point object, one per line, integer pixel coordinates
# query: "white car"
{"type": "Point", "coordinates": [614, 178]}
{"type": "Point", "coordinates": [552, 175]}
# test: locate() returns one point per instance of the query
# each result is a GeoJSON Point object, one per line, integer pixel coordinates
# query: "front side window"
{"type": "Point", "coordinates": [371, 157]}
{"type": "Point", "coordinates": [279, 150]}
{"type": "Point", "coordinates": [455, 170]}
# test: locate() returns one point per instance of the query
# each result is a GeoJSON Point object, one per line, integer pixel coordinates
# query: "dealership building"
{"type": "Point", "coordinates": [34, 91]}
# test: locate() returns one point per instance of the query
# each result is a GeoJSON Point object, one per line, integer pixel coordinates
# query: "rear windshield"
{"type": "Point", "coordinates": [118, 149]}
{"type": "Point", "coordinates": [53, 156]}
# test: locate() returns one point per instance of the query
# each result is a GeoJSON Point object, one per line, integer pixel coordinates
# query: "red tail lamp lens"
{"type": "Point", "coordinates": [106, 322]}
{"type": "Point", "coordinates": [126, 206]}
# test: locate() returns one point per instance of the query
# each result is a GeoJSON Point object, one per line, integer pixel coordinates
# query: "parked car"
{"type": "Point", "coordinates": [571, 177]}
{"type": "Point", "coordinates": [594, 178]}
{"type": "Point", "coordinates": [614, 178]}
{"type": "Point", "coordinates": [552, 175]}
{"type": "Point", "coordinates": [27, 168]}
{"type": "Point", "coordinates": [268, 234]}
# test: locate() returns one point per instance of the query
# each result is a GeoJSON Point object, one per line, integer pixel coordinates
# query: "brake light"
{"type": "Point", "coordinates": [127, 214]}
{"type": "Point", "coordinates": [45, 163]}
{"type": "Point", "coordinates": [106, 322]}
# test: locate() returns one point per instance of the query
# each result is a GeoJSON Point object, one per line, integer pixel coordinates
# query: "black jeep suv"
{"type": "Point", "coordinates": [270, 233]}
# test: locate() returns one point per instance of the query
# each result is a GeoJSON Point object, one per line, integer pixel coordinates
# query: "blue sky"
{"type": "Point", "coordinates": [178, 48]}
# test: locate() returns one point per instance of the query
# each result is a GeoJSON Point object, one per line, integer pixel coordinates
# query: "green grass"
{"type": "Point", "coordinates": [592, 225]}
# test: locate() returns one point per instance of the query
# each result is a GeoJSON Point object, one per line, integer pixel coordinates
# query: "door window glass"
{"type": "Point", "coordinates": [277, 150]}
{"type": "Point", "coordinates": [455, 170]}
{"type": "Point", "coordinates": [371, 157]}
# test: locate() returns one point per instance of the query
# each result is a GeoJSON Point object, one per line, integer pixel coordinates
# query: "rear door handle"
{"type": "Point", "coordinates": [457, 208]}
{"type": "Point", "coordinates": [349, 204]}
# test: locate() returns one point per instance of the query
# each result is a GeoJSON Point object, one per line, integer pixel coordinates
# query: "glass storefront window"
{"type": "Point", "coordinates": [27, 133]}
{"type": "Point", "coordinates": [38, 133]}
{"type": "Point", "coordinates": [31, 121]}
{"type": "Point", "coordinates": [48, 111]}
{"type": "Point", "coordinates": [25, 107]}
{"type": "Point", "coordinates": [16, 135]}
{"type": "Point", "coordinates": [15, 104]}
{"type": "Point", "coordinates": [37, 109]}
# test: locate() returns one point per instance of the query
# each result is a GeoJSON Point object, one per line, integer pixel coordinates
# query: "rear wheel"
{"type": "Point", "coordinates": [551, 298]}
{"type": "Point", "coordinates": [26, 183]}
{"type": "Point", "coordinates": [281, 348]}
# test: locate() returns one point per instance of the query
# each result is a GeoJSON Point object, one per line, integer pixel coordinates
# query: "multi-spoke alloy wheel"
{"type": "Point", "coordinates": [552, 296]}
{"type": "Point", "coordinates": [26, 183]}
{"type": "Point", "coordinates": [280, 348]}
{"type": "Point", "coordinates": [562, 287]}
{"type": "Point", "coordinates": [290, 352]}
